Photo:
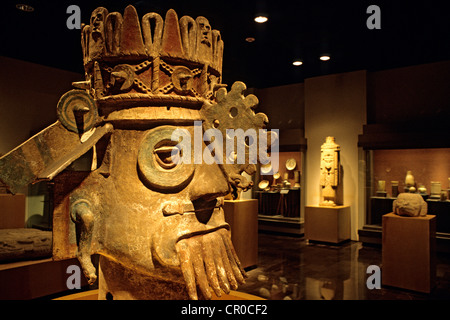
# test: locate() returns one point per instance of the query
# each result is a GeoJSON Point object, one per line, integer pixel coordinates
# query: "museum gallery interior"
{"type": "Point", "coordinates": [184, 150]}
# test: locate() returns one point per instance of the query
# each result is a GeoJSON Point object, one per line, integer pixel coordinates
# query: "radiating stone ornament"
{"type": "Point", "coordinates": [157, 223]}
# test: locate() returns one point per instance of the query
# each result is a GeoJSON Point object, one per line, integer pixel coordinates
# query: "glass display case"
{"type": "Point", "coordinates": [280, 195]}
{"type": "Point", "coordinates": [405, 155]}
{"type": "Point", "coordinates": [425, 171]}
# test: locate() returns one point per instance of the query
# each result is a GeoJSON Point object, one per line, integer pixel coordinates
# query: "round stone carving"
{"type": "Point", "coordinates": [77, 111]}
{"type": "Point", "coordinates": [160, 162]}
{"type": "Point", "coordinates": [182, 79]}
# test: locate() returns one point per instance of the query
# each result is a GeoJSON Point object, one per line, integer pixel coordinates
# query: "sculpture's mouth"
{"type": "Point", "coordinates": [202, 232]}
{"type": "Point", "coordinates": [197, 239]}
{"type": "Point", "coordinates": [195, 217]}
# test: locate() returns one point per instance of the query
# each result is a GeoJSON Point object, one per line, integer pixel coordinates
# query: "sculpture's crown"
{"type": "Point", "coordinates": [174, 62]}
{"type": "Point", "coordinates": [330, 143]}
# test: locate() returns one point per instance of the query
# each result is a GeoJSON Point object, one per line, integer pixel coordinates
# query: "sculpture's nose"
{"type": "Point", "coordinates": [205, 208]}
{"type": "Point", "coordinates": [208, 183]}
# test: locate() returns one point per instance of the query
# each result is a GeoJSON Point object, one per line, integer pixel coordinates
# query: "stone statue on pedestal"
{"type": "Point", "coordinates": [330, 173]}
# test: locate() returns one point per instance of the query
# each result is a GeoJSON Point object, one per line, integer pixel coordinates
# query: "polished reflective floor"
{"type": "Point", "coordinates": [291, 268]}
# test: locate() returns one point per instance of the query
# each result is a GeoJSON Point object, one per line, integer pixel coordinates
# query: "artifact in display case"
{"type": "Point", "coordinates": [263, 185]}
{"type": "Point", "coordinates": [280, 198]}
{"type": "Point", "coordinates": [409, 182]}
{"type": "Point", "coordinates": [419, 172]}
{"type": "Point", "coordinates": [275, 177]}
{"type": "Point", "coordinates": [297, 179]}
{"type": "Point", "coordinates": [381, 188]}
{"type": "Point", "coordinates": [286, 183]}
{"type": "Point", "coordinates": [330, 173]}
{"type": "Point", "coordinates": [435, 192]}
{"type": "Point", "coordinates": [410, 204]}
{"type": "Point", "coordinates": [422, 190]}
{"type": "Point", "coordinates": [148, 207]}
{"type": "Point", "coordinates": [394, 186]}
{"type": "Point", "coordinates": [291, 164]}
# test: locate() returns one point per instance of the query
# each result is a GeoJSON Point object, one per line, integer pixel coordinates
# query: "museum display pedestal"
{"type": "Point", "coordinates": [33, 279]}
{"type": "Point", "coordinates": [12, 211]}
{"type": "Point", "coordinates": [327, 224]}
{"type": "Point", "coordinates": [242, 216]}
{"type": "Point", "coordinates": [408, 252]}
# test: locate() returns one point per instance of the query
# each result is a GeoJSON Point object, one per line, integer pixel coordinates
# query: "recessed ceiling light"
{"type": "Point", "coordinates": [250, 39]}
{"type": "Point", "coordinates": [24, 7]}
{"type": "Point", "coordinates": [325, 57]}
{"type": "Point", "coordinates": [261, 19]}
{"type": "Point", "coordinates": [297, 62]}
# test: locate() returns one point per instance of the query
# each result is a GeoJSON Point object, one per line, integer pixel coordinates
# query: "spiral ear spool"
{"type": "Point", "coordinates": [77, 111]}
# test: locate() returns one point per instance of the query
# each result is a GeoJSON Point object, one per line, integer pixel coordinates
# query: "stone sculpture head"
{"type": "Point", "coordinates": [205, 31]}
{"type": "Point", "coordinates": [410, 204]}
{"type": "Point", "coordinates": [139, 206]}
{"type": "Point", "coordinates": [98, 17]}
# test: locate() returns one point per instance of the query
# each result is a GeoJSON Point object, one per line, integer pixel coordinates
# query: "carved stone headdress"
{"type": "Point", "coordinates": [137, 73]}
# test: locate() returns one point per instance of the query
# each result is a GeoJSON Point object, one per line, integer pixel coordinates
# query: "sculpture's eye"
{"type": "Point", "coordinates": [160, 162]}
{"type": "Point", "coordinates": [167, 156]}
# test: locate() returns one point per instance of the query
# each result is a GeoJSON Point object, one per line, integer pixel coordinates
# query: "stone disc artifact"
{"type": "Point", "coordinates": [263, 184]}
{"type": "Point", "coordinates": [291, 164]}
{"type": "Point", "coordinates": [77, 111]}
{"type": "Point", "coordinates": [266, 168]}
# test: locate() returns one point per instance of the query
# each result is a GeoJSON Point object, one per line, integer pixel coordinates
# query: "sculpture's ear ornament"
{"type": "Point", "coordinates": [77, 111]}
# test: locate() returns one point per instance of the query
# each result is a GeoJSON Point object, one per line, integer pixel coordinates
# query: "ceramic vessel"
{"type": "Point", "coordinates": [409, 180]}
{"type": "Point", "coordinates": [435, 189]}
{"type": "Point", "coordinates": [394, 186]}
{"type": "Point", "coordinates": [422, 189]}
{"type": "Point", "coordinates": [381, 186]}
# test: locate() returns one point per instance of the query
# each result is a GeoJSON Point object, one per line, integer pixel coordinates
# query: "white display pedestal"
{"type": "Point", "coordinates": [408, 253]}
{"type": "Point", "coordinates": [327, 224]}
{"type": "Point", "coordinates": [242, 216]}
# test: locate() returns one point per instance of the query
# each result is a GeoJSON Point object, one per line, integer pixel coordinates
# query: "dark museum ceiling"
{"type": "Point", "coordinates": [412, 32]}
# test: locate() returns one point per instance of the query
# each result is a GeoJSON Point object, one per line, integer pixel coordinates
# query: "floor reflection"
{"type": "Point", "coordinates": [290, 268]}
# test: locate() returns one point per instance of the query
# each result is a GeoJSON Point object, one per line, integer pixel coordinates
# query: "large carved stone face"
{"type": "Point", "coordinates": [153, 215]}
{"type": "Point", "coordinates": [139, 208]}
